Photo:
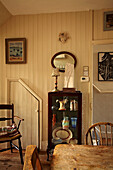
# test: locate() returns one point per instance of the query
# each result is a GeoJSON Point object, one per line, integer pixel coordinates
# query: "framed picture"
{"type": "Point", "coordinates": [15, 50]}
{"type": "Point", "coordinates": [108, 20]}
{"type": "Point", "coordinates": [105, 66]}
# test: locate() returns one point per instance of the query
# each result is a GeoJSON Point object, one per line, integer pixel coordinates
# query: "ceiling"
{"type": "Point", "coordinates": [22, 7]}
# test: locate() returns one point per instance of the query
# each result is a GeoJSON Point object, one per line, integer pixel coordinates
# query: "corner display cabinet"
{"type": "Point", "coordinates": [64, 119]}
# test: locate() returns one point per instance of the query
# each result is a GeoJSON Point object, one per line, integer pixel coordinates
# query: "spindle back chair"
{"type": "Point", "coordinates": [100, 133]}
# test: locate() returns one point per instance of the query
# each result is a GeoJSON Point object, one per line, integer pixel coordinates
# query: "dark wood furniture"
{"type": "Point", "coordinates": [32, 161]}
{"type": "Point", "coordinates": [64, 108]}
{"type": "Point", "coordinates": [100, 133]}
{"type": "Point", "coordinates": [82, 157]}
{"type": "Point", "coordinates": [11, 132]}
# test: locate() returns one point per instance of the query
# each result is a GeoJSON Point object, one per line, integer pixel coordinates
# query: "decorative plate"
{"type": "Point", "coordinates": [64, 134]}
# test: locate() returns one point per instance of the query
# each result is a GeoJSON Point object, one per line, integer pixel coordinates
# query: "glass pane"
{"type": "Point", "coordinates": [61, 60]}
{"type": "Point", "coordinates": [64, 119]}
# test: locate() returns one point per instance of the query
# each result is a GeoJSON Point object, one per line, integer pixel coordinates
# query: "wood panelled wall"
{"type": "Point", "coordinates": [103, 41]}
{"type": "Point", "coordinates": [41, 32]}
{"type": "Point", "coordinates": [98, 33]}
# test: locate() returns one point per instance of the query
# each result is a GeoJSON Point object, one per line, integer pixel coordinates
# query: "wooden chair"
{"type": "Point", "coordinates": [100, 134]}
{"type": "Point", "coordinates": [11, 132]}
{"type": "Point", "coordinates": [32, 160]}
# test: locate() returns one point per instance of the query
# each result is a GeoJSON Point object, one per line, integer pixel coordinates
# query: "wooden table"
{"type": "Point", "coordinates": [82, 157]}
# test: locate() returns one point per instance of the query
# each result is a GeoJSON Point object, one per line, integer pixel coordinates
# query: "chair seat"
{"type": "Point", "coordinates": [9, 138]}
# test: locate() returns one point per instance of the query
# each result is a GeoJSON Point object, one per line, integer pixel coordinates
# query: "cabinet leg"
{"type": "Point", "coordinates": [47, 154]}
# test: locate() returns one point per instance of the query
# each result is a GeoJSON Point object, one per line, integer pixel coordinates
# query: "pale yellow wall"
{"type": "Point", "coordinates": [41, 32]}
{"type": "Point", "coordinates": [102, 42]}
{"type": "Point", "coordinates": [102, 102]}
{"type": "Point", "coordinates": [4, 14]}
{"type": "Point", "coordinates": [98, 33]}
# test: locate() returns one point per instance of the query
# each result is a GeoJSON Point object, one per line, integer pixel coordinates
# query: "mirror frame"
{"type": "Point", "coordinates": [63, 52]}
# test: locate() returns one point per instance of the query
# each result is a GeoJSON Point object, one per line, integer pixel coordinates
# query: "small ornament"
{"type": "Point", "coordinates": [63, 37]}
{"type": "Point", "coordinates": [65, 123]}
{"type": "Point", "coordinates": [74, 122]}
{"type": "Point", "coordinates": [54, 120]}
{"type": "Point", "coordinates": [62, 104]}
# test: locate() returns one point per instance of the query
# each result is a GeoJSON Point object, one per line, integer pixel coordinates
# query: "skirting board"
{"type": "Point", "coordinates": [44, 145]}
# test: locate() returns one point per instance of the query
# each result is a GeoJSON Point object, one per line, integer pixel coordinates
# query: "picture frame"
{"type": "Point", "coordinates": [108, 20]}
{"type": "Point", "coordinates": [105, 66]}
{"type": "Point", "coordinates": [15, 50]}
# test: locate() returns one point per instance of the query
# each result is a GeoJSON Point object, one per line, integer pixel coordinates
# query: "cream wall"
{"type": "Point", "coordinates": [102, 102]}
{"type": "Point", "coordinates": [102, 42]}
{"type": "Point", "coordinates": [98, 33]}
{"type": "Point", "coordinates": [41, 32]}
{"type": "Point", "coordinates": [4, 14]}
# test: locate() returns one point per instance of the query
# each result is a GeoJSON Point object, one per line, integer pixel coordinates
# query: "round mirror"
{"type": "Point", "coordinates": [60, 59]}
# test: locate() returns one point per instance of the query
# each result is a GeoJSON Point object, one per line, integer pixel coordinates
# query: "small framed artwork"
{"type": "Point", "coordinates": [108, 20]}
{"type": "Point", "coordinates": [15, 50]}
{"type": "Point", "coordinates": [105, 66]}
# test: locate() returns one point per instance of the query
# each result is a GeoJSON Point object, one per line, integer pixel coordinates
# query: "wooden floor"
{"type": "Point", "coordinates": [9, 161]}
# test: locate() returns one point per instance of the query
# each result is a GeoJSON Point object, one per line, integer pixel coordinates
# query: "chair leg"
{"type": "Point", "coordinates": [20, 150]}
{"type": "Point", "coordinates": [11, 146]}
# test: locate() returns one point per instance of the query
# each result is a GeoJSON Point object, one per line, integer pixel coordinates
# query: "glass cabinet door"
{"type": "Point", "coordinates": [64, 119]}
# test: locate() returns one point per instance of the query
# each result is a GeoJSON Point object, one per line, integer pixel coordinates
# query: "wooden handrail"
{"type": "Point", "coordinates": [37, 98]}
{"type": "Point", "coordinates": [29, 89]}
{"type": "Point", "coordinates": [102, 91]}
